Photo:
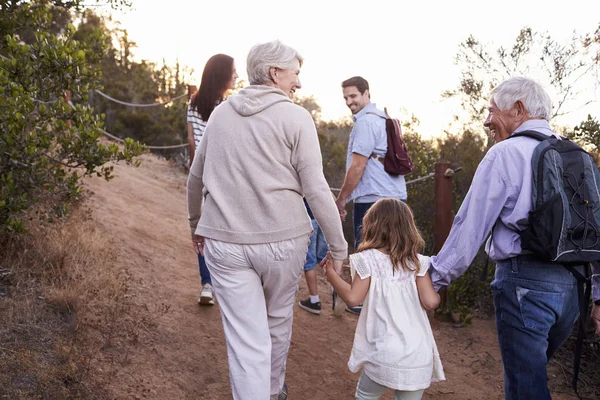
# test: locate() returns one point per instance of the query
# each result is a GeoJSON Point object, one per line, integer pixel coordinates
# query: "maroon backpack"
{"type": "Point", "coordinates": [396, 160]}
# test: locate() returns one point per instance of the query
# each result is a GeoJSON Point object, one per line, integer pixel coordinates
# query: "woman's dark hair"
{"type": "Point", "coordinates": [215, 78]}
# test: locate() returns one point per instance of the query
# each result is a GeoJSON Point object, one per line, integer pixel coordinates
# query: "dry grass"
{"type": "Point", "coordinates": [64, 305]}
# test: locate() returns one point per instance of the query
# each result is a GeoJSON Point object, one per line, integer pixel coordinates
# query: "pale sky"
{"type": "Point", "coordinates": [405, 50]}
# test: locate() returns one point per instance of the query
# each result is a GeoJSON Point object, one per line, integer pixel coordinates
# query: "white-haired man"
{"type": "Point", "coordinates": [536, 301]}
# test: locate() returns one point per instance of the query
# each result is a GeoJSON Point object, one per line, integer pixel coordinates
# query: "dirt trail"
{"type": "Point", "coordinates": [181, 353]}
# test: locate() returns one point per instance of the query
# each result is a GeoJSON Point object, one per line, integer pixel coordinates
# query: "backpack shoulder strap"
{"type": "Point", "coordinates": [380, 116]}
{"type": "Point", "coordinates": [531, 134]}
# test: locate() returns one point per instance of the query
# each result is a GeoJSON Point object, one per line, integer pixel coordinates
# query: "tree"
{"type": "Point", "coordinates": [570, 68]}
{"type": "Point", "coordinates": [420, 195]}
{"type": "Point", "coordinates": [47, 143]}
{"type": "Point", "coordinates": [137, 83]}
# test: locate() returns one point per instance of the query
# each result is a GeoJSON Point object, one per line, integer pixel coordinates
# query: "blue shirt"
{"type": "Point", "coordinates": [367, 137]}
{"type": "Point", "coordinates": [500, 194]}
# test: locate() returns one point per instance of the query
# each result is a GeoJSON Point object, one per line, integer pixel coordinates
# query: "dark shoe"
{"type": "Point", "coordinates": [354, 310]}
{"type": "Point", "coordinates": [313, 308]}
{"type": "Point", "coordinates": [284, 390]}
{"type": "Point", "coordinates": [337, 304]}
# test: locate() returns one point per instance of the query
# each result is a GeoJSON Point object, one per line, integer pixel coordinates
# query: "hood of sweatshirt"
{"type": "Point", "coordinates": [256, 98]}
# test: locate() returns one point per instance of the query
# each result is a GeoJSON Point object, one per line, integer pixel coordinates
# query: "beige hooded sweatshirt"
{"type": "Point", "coordinates": [259, 155]}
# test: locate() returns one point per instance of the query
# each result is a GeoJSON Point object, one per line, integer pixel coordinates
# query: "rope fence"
{"type": "Point", "coordinates": [448, 173]}
{"type": "Point", "coordinates": [139, 105]}
{"type": "Point", "coordinates": [422, 178]}
{"type": "Point", "coordinates": [118, 139]}
{"type": "Point", "coordinates": [175, 146]}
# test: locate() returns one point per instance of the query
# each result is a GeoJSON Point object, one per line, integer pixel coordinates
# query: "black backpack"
{"type": "Point", "coordinates": [564, 224]}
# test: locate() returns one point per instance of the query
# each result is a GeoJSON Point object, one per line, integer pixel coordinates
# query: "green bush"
{"type": "Point", "coordinates": [46, 143]}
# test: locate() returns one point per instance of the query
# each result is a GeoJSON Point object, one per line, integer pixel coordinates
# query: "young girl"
{"type": "Point", "coordinates": [393, 343]}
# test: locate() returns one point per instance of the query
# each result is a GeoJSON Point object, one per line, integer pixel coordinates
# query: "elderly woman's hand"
{"type": "Point", "coordinates": [198, 243]}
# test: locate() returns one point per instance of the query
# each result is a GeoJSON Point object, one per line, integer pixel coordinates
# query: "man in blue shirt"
{"type": "Point", "coordinates": [536, 302]}
{"type": "Point", "coordinates": [366, 181]}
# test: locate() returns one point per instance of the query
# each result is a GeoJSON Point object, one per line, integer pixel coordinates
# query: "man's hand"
{"type": "Point", "coordinates": [596, 318]}
{"type": "Point", "coordinates": [341, 205]}
{"type": "Point", "coordinates": [198, 243]}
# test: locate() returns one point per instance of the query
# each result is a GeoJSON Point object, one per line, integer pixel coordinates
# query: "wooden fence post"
{"type": "Point", "coordinates": [443, 205]}
{"type": "Point", "coordinates": [443, 219]}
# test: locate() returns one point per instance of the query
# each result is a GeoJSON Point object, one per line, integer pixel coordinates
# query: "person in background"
{"type": "Point", "coordinates": [259, 156]}
{"type": "Point", "coordinates": [393, 344]}
{"type": "Point", "coordinates": [218, 77]}
{"type": "Point", "coordinates": [317, 250]}
{"type": "Point", "coordinates": [365, 180]}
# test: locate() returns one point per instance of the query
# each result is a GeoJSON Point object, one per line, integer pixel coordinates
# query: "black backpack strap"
{"type": "Point", "coordinates": [531, 134]}
{"type": "Point", "coordinates": [584, 299]}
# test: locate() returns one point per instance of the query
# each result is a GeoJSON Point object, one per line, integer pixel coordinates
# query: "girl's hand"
{"type": "Point", "coordinates": [325, 263]}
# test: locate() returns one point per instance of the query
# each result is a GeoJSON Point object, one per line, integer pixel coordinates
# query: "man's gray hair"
{"type": "Point", "coordinates": [264, 56]}
{"type": "Point", "coordinates": [535, 98]}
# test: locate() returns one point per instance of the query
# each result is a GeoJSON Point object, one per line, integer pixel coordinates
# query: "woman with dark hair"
{"type": "Point", "coordinates": [218, 77]}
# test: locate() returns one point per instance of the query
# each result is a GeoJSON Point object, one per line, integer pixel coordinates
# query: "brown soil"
{"type": "Point", "coordinates": [181, 354]}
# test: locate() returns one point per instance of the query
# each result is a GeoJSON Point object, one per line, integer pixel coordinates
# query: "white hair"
{"type": "Point", "coordinates": [264, 56]}
{"type": "Point", "coordinates": [535, 98]}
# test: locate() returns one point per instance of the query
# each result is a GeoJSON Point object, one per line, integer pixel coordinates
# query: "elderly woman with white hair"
{"type": "Point", "coordinates": [259, 156]}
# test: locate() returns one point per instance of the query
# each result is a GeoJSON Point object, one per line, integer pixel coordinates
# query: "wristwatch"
{"type": "Point", "coordinates": [597, 302]}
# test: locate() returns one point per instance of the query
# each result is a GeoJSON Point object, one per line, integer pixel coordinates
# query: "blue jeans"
{"type": "Point", "coordinates": [358, 213]}
{"type": "Point", "coordinates": [536, 306]}
{"type": "Point", "coordinates": [317, 248]}
{"type": "Point", "coordinates": [204, 273]}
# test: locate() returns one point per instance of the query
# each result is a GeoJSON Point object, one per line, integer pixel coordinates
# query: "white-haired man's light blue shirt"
{"type": "Point", "coordinates": [499, 198]}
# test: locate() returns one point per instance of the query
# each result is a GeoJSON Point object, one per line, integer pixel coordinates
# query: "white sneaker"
{"type": "Point", "coordinates": [338, 304]}
{"type": "Point", "coordinates": [206, 295]}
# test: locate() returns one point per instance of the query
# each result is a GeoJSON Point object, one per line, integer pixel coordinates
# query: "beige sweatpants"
{"type": "Point", "coordinates": [256, 286]}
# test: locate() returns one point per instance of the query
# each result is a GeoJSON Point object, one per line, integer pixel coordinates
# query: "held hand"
{"type": "Point", "coordinates": [596, 318]}
{"type": "Point", "coordinates": [330, 266]}
{"type": "Point", "coordinates": [325, 263]}
{"type": "Point", "coordinates": [198, 243]}
{"type": "Point", "coordinates": [341, 205]}
{"type": "Point", "coordinates": [337, 266]}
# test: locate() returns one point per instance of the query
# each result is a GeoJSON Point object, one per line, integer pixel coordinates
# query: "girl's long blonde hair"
{"type": "Point", "coordinates": [389, 224]}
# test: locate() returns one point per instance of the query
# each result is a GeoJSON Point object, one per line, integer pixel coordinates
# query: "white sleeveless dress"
{"type": "Point", "coordinates": [393, 343]}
